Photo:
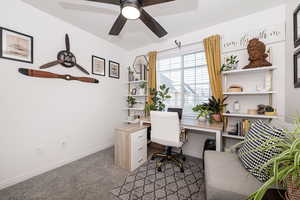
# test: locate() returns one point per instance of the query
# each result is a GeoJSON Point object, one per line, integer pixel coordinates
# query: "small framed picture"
{"type": "Point", "coordinates": [297, 26]}
{"type": "Point", "coordinates": [297, 69]}
{"type": "Point", "coordinates": [114, 69]}
{"type": "Point", "coordinates": [98, 66]}
{"type": "Point", "coordinates": [133, 91]}
{"type": "Point", "coordinates": [16, 46]}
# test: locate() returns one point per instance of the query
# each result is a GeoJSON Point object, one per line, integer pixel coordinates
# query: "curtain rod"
{"type": "Point", "coordinates": [185, 45]}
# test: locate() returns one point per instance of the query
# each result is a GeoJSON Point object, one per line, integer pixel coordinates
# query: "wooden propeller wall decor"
{"type": "Point", "coordinates": [66, 58]}
{"type": "Point", "coordinates": [43, 74]}
{"type": "Point", "coordinates": [133, 9]}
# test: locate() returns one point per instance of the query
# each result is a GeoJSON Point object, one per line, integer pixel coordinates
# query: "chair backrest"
{"type": "Point", "coordinates": [177, 110]}
{"type": "Point", "coordinates": [165, 128]}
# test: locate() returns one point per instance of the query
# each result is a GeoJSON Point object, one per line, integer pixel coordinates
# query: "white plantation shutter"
{"type": "Point", "coordinates": [186, 75]}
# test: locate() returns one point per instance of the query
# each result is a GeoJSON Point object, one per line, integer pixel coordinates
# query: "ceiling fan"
{"type": "Point", "coordinates": [132, 10]}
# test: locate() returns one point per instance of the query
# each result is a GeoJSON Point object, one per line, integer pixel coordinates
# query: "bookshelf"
{"type": "Point", "coordinates": [137, 75]}
{"type": "Point", "coordinates": [245, 118]}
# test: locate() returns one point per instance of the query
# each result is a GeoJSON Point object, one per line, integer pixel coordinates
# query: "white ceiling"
{"type": "Point", "coordinates": [178, 17]}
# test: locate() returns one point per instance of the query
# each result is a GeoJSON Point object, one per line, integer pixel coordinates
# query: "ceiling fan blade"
{"type": "Point", "coordinates": [152, 24]}
{"type": "Point", "coordinates": [67, 40]}
{"type": "Point", "coordinates": [82, 69]}
{"type": "Point", "coordinates": [118, 25]}
{"type": "Point", "coordinates": [115, 2]}
{"type": "Point", "coordinates": [51, 64]}
{"type": "Point", "coordinates": [153, 2]}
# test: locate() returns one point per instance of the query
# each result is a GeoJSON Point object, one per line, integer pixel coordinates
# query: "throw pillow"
{"type": "Point", "coordinates": [253, 159]}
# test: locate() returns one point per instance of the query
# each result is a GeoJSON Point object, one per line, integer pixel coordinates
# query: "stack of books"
{"type": "Point", "coordinates": [242, 128]}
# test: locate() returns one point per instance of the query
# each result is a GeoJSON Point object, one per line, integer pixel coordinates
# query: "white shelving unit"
{"type": "Point", "coordinates": [269, 94]}
{"type": "Point", "coordinates": [140, 97]}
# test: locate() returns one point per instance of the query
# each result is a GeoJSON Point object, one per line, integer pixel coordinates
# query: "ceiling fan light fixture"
{"type": "Point", "coordinates": [131, 11]}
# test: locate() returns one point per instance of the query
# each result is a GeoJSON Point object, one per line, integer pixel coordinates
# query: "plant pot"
{"type": "Point", "coordinates": [202, 119]}
{"type": "Point", "coordinates": [293, 190]}
{"type": "Point", "coordinates": [217, 117]}
{"type": "Point", "coordinates": [142, 91]}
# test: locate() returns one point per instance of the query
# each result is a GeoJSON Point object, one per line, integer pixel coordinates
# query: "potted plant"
{"type": "Point", "coordinates": [231, 63]}
{"type": "Point", "coordinates": [158, 98]}
{"type": "Point", "coordinates": [143, 87]}
{"type": "Point", "coordinates": [131, 101]}
{"type": "Point", "coordinates": [285, 166]}
{"type": "Point", "coordinates": [203, 111]}
{"type": "Point", "coordinates": [216, 107]}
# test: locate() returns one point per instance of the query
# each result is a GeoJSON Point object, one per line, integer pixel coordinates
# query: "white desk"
{"type": "Point", "coordinates": [193, 124]}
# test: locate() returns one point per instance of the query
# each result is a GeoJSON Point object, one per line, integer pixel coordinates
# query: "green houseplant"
{"type": "Point", "coordinates": [131, 101]}
{"type": "Point", "coordinates": [285, 167]}
{"type": "Point", "coordinates": [214, 108]}
{"type": "Point", "coordinates": [143, 87]}
{"type": "Point", "coordinates": [158, 98]}
{"type": "Point", "coordinates": [231, 63]}
{"type": "Point", "coordinates": [203, 111]}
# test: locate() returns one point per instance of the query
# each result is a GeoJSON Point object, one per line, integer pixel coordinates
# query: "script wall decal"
{"type": "Point", "coordinates": [267, 35]}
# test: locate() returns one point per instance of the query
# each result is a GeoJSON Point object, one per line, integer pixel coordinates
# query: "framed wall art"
{"type": "Point", "coordinates": [297, 26]}
{"type": "Point", "coordinates": [297, 69]}
{"type": "Point", "coordinates": [16, 46]}
{"type": "Point", "coordinates": [98, 66]}
{"type": "Point", "coordinates": [114, 69]}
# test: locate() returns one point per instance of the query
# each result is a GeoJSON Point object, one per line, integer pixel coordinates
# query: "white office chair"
{"type": "Point", "coordinates": [165, 130]}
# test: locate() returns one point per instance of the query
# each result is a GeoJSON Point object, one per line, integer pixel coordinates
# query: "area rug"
{"type": "Point", "coordinates": [146, 183]}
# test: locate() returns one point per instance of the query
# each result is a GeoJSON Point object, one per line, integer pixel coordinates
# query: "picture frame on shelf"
{"type": "Point", "coordinates": [297, 69]}
{"type": "Point", "coordinates": [98, 66]}
{"type": "Point", "coordinates": [16, 46]}
{"type": "Point", "coordinates": [114, 70]}
{"type": "Point", "coordinates": [297, 26]}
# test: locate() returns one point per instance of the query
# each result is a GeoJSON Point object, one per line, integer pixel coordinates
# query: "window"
{"type": "Point", "coordinates": [187, 77]}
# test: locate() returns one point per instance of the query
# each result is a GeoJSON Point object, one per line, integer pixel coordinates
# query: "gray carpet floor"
{"type": "Point", "coordinates": [90, 178]}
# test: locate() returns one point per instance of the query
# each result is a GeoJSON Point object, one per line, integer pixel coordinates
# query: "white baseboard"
{"type": "Point", "coordinates": [20, 178]}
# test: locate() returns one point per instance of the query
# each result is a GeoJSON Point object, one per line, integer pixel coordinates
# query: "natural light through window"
{"type": "Point", "coordinates": [187, 78]}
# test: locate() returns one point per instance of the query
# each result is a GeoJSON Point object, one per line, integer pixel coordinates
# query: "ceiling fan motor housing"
{"type": "Point", "coordinates": [132, 3]}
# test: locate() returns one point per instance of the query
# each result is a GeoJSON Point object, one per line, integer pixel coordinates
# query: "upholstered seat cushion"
{"type": "Point", "coordinates": [226, 178]}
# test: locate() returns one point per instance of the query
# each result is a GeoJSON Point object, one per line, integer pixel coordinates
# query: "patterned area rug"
{"type": "Point", "coordinates": [146, 183]}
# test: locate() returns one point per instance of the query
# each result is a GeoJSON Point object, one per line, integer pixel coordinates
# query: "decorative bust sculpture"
{"type": "Point", "coordinates": [257, 56]}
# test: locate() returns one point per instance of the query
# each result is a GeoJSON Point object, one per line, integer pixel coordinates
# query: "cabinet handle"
{"type": "Point", "coordinates": [140, 160]}
{"type": "Point", "coordinates": [141, 136]}
{"type": "Point", "coordinates": [140, 148]}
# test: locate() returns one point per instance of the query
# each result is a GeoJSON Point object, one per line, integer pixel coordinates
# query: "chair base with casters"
{"type": "Point", "coordinates": [167, 156]}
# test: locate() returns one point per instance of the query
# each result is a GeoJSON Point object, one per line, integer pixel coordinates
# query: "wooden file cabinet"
{"type": "Point", "coordinates": [131, 146]}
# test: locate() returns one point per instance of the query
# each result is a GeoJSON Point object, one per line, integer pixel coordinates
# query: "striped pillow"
{"type": "Point", "coordinates": [259, 133]}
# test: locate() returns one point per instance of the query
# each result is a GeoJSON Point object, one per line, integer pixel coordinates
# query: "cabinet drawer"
{"type": "Point", "coordinates": [140, 135]}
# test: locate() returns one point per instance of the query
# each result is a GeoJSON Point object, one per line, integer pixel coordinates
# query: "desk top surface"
{"type": "Point", "coordinates": [193, 123]}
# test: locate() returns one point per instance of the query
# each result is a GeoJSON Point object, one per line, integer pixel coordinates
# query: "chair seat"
{"type": "Point", "coordinates": [167, 142]}
{"type": "Point", "coordinates": [226, 178]}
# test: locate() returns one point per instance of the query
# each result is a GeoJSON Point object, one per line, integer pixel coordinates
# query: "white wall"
{"type": "Point", "coordinates": [47, 123]}
{"type": "Point", "coordinates": [292, 94]}
{"type": "Point", "coordinates": [255, 21]}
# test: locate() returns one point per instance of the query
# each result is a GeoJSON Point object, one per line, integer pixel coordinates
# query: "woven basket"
{"type": "Point", "coordinates": [293, 191]}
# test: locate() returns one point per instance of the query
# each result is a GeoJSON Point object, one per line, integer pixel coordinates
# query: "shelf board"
{"type": "Point", "coordinates": [249, 93]}
{"type": "Point", "coordinates": [134, 109]}
{"type": "Point", "coordinates": [136, 82]}
{"type": "Point", "coordinates": [136, 95]}
{"type": "Point", "coordinates": [238, 115]}
{"type": "Point", "coordinates": [258, 69]}
{"type": "Point", "coordinates": [233, 136]}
